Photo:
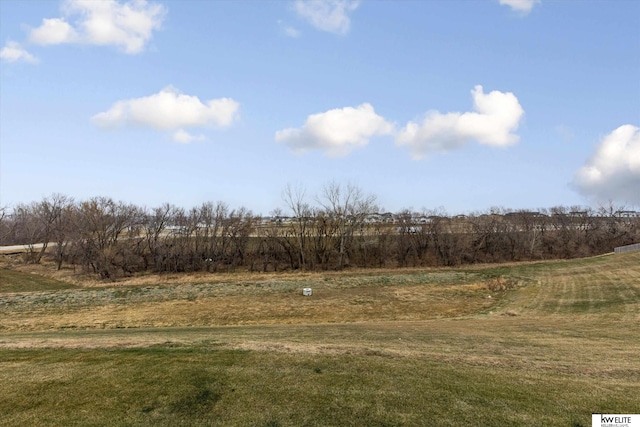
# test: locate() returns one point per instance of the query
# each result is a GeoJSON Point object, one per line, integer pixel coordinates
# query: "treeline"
{"type": "Point", "coordinates": [340, 228]}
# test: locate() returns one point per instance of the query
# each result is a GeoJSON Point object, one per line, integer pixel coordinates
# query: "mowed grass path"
{"type": "Point", "coordinates": [607, 286]}
{"type": "Point", "coordinates": [570, 347]}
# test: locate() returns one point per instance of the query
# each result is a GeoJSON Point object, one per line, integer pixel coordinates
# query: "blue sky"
{"type": "Point", "coordinates": [457, 104]}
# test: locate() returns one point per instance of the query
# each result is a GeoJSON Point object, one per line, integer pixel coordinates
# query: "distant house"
{"type": "Point", "coordinates": [534, 214]}
{"type": "Point", "coordinates": [409, 229]}
{"type": "Point", "coordinates": [628, 214]}
{"type": "Point", "coordinates": [373, 218]}
{"type": "Point", "coordinates": [423, 219]}
{"type": "Point", "coordinates": [388, 217]}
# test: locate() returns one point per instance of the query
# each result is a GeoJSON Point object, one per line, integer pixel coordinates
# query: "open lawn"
{"type": "Point", "coordinates": [535, 344]}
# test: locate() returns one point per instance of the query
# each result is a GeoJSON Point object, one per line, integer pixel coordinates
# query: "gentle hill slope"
{"type": "Point", "coordinates": [606, 285]}
{"type": "Point", "coordinates": [569, 348]}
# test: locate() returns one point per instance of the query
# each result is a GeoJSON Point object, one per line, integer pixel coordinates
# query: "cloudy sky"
{"type": "Point", "coordinates": [457, 104]}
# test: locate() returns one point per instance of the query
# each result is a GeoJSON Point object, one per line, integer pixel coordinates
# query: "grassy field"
{"type": "Point", "coordinates": [535, 344]}
{"type": "Point", "coordinates": [15, 281]}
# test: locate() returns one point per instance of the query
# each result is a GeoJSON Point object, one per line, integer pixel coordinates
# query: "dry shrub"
{"type": "Point", "coordinates": [501, 284]}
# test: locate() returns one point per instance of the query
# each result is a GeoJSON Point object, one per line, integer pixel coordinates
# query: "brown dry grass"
{"type": "Point", "coordinates": [327, 305]}
{"type": "Point", "coordinates": [243, 298]}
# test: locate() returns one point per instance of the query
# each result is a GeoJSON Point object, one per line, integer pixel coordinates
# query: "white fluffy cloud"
{"type": "Point", "coordinates": [497, 115]}
{"type": "Point", "coordinates": [337, 132]}
{"type": "Point", "coordinates": [327, 15]}
{"type": "Point", "coordinates": [169, 109]}
{"type": "Point", "coordinates": [288, 30]}
{"type": "Point", "coordinates": [291, 32]}
{"type": "Point", "coordinates": [521, 6]}
{"type": "Point", "coordinates": [613, 172]}
{"type": "Point", "coordinates": [184, 137]}
{"type": "Point", "coordinates": [13, 52]}
{"type": "Point", "coordinates": [127, 25]}
{"type": "Point", "coordinates": [53, 31]}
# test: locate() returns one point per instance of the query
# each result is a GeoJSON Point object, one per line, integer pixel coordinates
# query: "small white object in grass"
{"type": "Point", "coordinates": [306, 292]}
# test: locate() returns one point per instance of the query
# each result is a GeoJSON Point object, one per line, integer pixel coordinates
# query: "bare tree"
{"type": "Point", "coordinates": [239, 226]}
{"type": "Point", "coordinates": [218, 239]}
{"type": "Point", "coordinates": [275, 245]}
{"type": "Point", "coordinates": [301, 221]}
{"type": "Point", "coordinates": [28, 230]}
{"type": "Point", "coordinates": [6, 226]}
{"type": "Point", "coordinates": [404, 229]}
{"type": "Point", "coordinates": [59, 209]}
{"type": "Point", "coordinates": [346, 208]}
{"type": "Point", "coordinates": [106, 232]}
{"type": "Point", "coordinates": [342, 228]}
{"type": "Point", "coordinates": [156, 234]}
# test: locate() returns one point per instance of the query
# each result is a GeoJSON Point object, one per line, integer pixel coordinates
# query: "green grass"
{"type": "Point", "coordinates": [196, 385]}
{"type": "Point", "coordinates": [607, 286]}
{"type": "Point", "coordinates": [570, 349]}
{"type": "Point", "coordinates": [15, 281]}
